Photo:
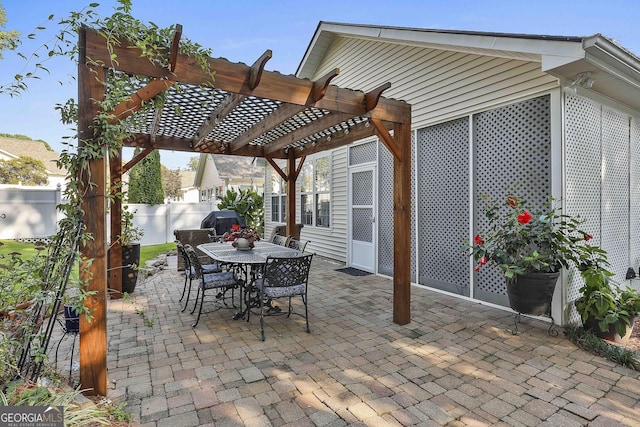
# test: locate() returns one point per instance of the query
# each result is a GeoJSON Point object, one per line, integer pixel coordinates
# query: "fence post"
{"type": "Point", "coordinates": [169, 223]}
{"type": "Point", "coordinates": [57, 214]}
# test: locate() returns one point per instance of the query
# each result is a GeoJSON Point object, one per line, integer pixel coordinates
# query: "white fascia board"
{"type": "Point", "coordinates": [613, 59]}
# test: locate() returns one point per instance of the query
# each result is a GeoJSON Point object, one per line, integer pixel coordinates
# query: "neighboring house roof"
{"type": "Point", "coordinates": [595, 62]}
{"type": "Point", "coordinates": [14, 148]}
{"type": "Point", "coordinates": [229, 167]}
{"type": "Point", "coordinates": [236, 167]}
{"type": "Point", "coordinates": [187, 178]}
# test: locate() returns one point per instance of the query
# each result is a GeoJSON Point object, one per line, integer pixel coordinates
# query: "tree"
{"type": "Point", "coordinates": [192, 164]}
{"type": "Point", "coordinates": [145, 180]}
{"type": "Point", "coordinates": [23, 170]}
{"type": "Point", "coordinates": [8, 39]}
{"type": "Point", "coordinates": [171, 183]}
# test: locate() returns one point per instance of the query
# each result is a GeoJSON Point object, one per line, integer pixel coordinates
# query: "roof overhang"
{"type": "Point", "coordinates": [614, 71]}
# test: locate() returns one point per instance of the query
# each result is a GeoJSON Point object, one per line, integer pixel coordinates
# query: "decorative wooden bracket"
{"type": "Point", "coordinates": [131, 163]}
{"type": "Point", "coordinates": [277, 169]}
{"type": "Point", "coordinates": [173, 56]}
{"type": "Point", "coordinates": [386, 138]}
{"type": "Point", "coordinates": [255, 74]}
{"type": "Point", "coordinates": [299, 168]}
{"type": "Point", "coordinates": [371, 98]}
{"type": "Point", "coordinates": [319, 88]}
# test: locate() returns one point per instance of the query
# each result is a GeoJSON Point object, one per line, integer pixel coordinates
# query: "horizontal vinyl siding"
{"type": "Point", "coordinates": [332, 242]}
{"type": "Point", "coordinates": [440, 85]}
{"type": "Point", "coordinates": [327, 242]}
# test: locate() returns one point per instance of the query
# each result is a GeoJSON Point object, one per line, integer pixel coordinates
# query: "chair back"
{"type": "Point", "coordinates": [182, 253]}
{"type": "Point", "coordinates": [298, 245]}
{"type": "Point", "coordinates": [280, 240]}
{"type": "Point", "coordinates": [287, 271]}
{"type": "Point", "coordinates": [194, 261]}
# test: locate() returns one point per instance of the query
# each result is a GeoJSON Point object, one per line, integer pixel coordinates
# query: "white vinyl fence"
{"type": "Point", "coordinates": [27, 213]}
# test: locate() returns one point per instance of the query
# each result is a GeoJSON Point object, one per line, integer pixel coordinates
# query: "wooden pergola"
{"type": "Point", "coordinates": [246, 111]}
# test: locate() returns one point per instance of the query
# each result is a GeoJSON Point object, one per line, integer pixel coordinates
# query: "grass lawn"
{"type": "Point", "coordinates": [151, 251]}
{"type": "Point", "coordinates": [27, 250]}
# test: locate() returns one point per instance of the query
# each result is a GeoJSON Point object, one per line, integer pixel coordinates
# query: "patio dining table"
{"type": "Point", "coordinates": [247, 261]}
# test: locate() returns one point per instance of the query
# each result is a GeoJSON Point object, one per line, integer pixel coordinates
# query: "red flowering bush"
{"type": "Point", "coordinates": [519, 241]}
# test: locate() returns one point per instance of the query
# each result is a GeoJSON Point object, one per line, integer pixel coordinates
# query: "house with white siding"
{"type": "Point", "coordinates": [559, 115]}
{"type": "Point", "coordinates": [218, 173]}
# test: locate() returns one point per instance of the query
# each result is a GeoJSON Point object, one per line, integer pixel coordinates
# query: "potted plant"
{"type": "Point", "coordinates": [530, 248]}
{"type": "Point", "coordinates": [606, 309]}
{"type": "Point", "coordinates": [130, 240]}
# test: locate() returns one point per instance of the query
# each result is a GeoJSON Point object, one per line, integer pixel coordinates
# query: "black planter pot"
{"type": "Point", "coordinates": [71, 319]}
{"type": "Point", "coordinates": [532, 293]}
{"type": "Point", "coordinates": [130, 257]}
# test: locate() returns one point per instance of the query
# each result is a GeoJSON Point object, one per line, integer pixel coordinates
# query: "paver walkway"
{"type": "Point", "coordinates": [455, 364]}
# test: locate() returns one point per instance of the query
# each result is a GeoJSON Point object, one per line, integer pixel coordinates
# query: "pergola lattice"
{"type": "Point", "coordinates": [246, 111]}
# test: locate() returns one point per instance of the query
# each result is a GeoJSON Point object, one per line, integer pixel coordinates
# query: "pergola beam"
{"type": "Point", "coordinates": [218, 115]}
{"type": "Point", "coordinates": [318, 125]}
{"type": "Point", "coordinates": [231, 77]}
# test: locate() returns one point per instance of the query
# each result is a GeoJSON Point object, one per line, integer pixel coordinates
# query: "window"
{"type": "Point", "coordinates": [315, 192]}
{"type": "Point", "coordinates": [278, 198]}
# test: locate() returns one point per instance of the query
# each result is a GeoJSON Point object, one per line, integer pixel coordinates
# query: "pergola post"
{"type": "Point", "coordinates": [292, 230]}
{"type": "Point", "coordinates": [93, 186]}
{"type": "Point", "coordinates": [402, 225]}
{"type": "Point", "coordinates": [115, 251]}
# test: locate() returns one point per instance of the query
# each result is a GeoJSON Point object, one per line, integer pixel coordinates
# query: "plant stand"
{"type": "Point", "coordinates": [531, 294]}
{"type": "Point", "coordinates": [552, 331]}
{"type": "Point", "coordinates": [71, 326]}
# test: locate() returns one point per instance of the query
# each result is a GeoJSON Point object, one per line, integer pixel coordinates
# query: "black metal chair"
{"type": "Point", "coordinates": [190, 273]}
{"type": "Point", "coordinates": [222, 282]}
{"type": "Point", "coordinates": [283, 277]}
{"type": "Point", "coordinates": [299, 245]}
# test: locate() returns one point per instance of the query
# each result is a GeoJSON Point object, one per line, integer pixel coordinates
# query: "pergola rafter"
{"type": "Point", "coordinates": [245, 111]}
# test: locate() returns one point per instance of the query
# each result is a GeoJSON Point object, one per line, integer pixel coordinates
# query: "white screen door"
{"type": "Point", "coordinates": [362, 218]}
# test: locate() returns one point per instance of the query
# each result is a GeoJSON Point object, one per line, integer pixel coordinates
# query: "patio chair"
{"type": "Point", "coordinates": [280, 240]}
{"type": "Point", "coordinates": [298, 245]}
{"type": "Point", "coordinates": [283, 277]}
{"type": "Point", "coordinates": [190, 273]}
{"type": "Point", "coordinates": [220, 281]}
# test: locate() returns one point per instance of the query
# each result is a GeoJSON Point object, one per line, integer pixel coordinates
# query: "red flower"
{"type": "Point", "coordinates": [524, 217]}
{"type": "Point", "coordinates": [479, 240]}
{"type": "Point", "coordinates": [476, 268]}
{"type": "Point", "coordinates": [587, 237]}
{"type": "Point", "coordinates": [483, 260]}
{"type": "Point", "coordinates": [512, 201]}
{"type": "Point", "coordinates": [235, 227]}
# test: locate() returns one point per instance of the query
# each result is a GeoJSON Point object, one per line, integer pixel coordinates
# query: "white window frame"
{"type": "Point", "coordinates": [281, 196]}
{"type": "Point", "coordinates": [310, 167]}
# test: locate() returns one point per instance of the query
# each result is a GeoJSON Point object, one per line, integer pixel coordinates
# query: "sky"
{"type": "Point", "coordinates": [242, 30]}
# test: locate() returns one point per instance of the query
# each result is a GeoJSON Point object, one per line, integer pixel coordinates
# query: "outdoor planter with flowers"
{"type": "Point", "coordinates": [530, 248]}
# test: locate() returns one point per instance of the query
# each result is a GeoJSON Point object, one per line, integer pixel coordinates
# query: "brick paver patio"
{"type": "Point", "coordinates": [455, 364]}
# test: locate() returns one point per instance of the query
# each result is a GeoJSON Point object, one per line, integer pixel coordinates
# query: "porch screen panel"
{"type": "Point", "coordinates": [615, 190]}
{"type": "Point", "coordinates": [583, 172]}
{"type": "Point", "coordinates": [385, 210]}
{"type": "Point", "coordinates": [512, 144]}
{"type": "Point", "coordinates": [634, 214]}
{"type": "Point", "coordinates": [443, 205]}
{"type": "Point", "coordinates": [362, 153]}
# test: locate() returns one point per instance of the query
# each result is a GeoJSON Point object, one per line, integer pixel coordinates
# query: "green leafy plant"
{"type": "Point", "coordinates": [520, 240]}
{"type": "Point", "coordinates": [130, 233]}
{"type": "Point", "coordinates": [603, 303]}
{"type": "Point", "coordinates": [248, 204]}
